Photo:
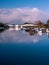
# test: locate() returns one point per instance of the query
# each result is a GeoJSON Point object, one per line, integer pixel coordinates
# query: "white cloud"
{"type": "Point", "coordinates": [22, 15]}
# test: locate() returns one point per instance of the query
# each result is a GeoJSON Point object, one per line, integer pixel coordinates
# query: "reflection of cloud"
{"type": "Point", "coordinates": [22, 15]}
{"type": "Point", "coordinates": [18, 36]}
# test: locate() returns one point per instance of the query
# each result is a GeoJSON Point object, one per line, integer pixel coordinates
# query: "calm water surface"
{"type": "Point", "coordinates": [19, 48]}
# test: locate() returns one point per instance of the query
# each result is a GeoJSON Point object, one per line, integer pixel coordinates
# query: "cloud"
{"type": "Point", "coordinates": [21, 15]}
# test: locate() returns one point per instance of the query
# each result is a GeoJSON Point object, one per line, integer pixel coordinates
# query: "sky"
{"type": "Point", "coordinates": [41, 4]}
{"type": "Point", "coordinates": [19, 11]}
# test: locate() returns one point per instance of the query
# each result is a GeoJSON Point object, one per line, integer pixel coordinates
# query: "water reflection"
{"type": "Point", "coordinates": [25, 35]}
{"type": "Point", "coordinates": [2, 30]}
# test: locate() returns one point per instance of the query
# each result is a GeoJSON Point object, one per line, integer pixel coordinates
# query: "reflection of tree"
{"type": "Point", "coordinates": [31, 32]}
{"type": "Point", "coordinates": [1, 30]}
{"type": "Point", "coordinates": [1, 38]}
{"type": "Point", "coordinates": [48, 36]}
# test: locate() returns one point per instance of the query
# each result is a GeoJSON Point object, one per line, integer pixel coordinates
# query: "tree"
{"type": "Point", "coordinates": [39, 23]}
{"type": "Point", "coordinates": [5, 26]}
{"type": "Point", "coordinates": [48, 23]}
{"type": "Point", "coordinates": [1, 25]}
{"type": "Point", "coordinates": [26, 23]}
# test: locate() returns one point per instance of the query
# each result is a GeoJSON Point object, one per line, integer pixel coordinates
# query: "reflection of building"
{"type": "Point", "coordinates": [40, 32]}
{"type": "Point", "coordinates": [47, 31]}
{"type": "Point", "coordinates": [10, 29]}
{"type": "Point", "coordinates": [48, 35]}
{"type": "Point", "coordinates": [21, 27]}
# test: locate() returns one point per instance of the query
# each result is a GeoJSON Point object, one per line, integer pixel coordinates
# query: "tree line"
{"type": "Point", "coordinates": [39, 23]}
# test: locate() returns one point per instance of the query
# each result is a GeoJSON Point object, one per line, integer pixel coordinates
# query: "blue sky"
{"type": "Point", "coordinates": [41, 4]}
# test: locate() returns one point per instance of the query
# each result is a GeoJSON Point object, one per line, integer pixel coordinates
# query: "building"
{"type": "Point", "coordinates": [29, 25]}
{"type": "Point", "coordinates": [17, 27]}
{"type": "Point", "coordinates": [10, 26]}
